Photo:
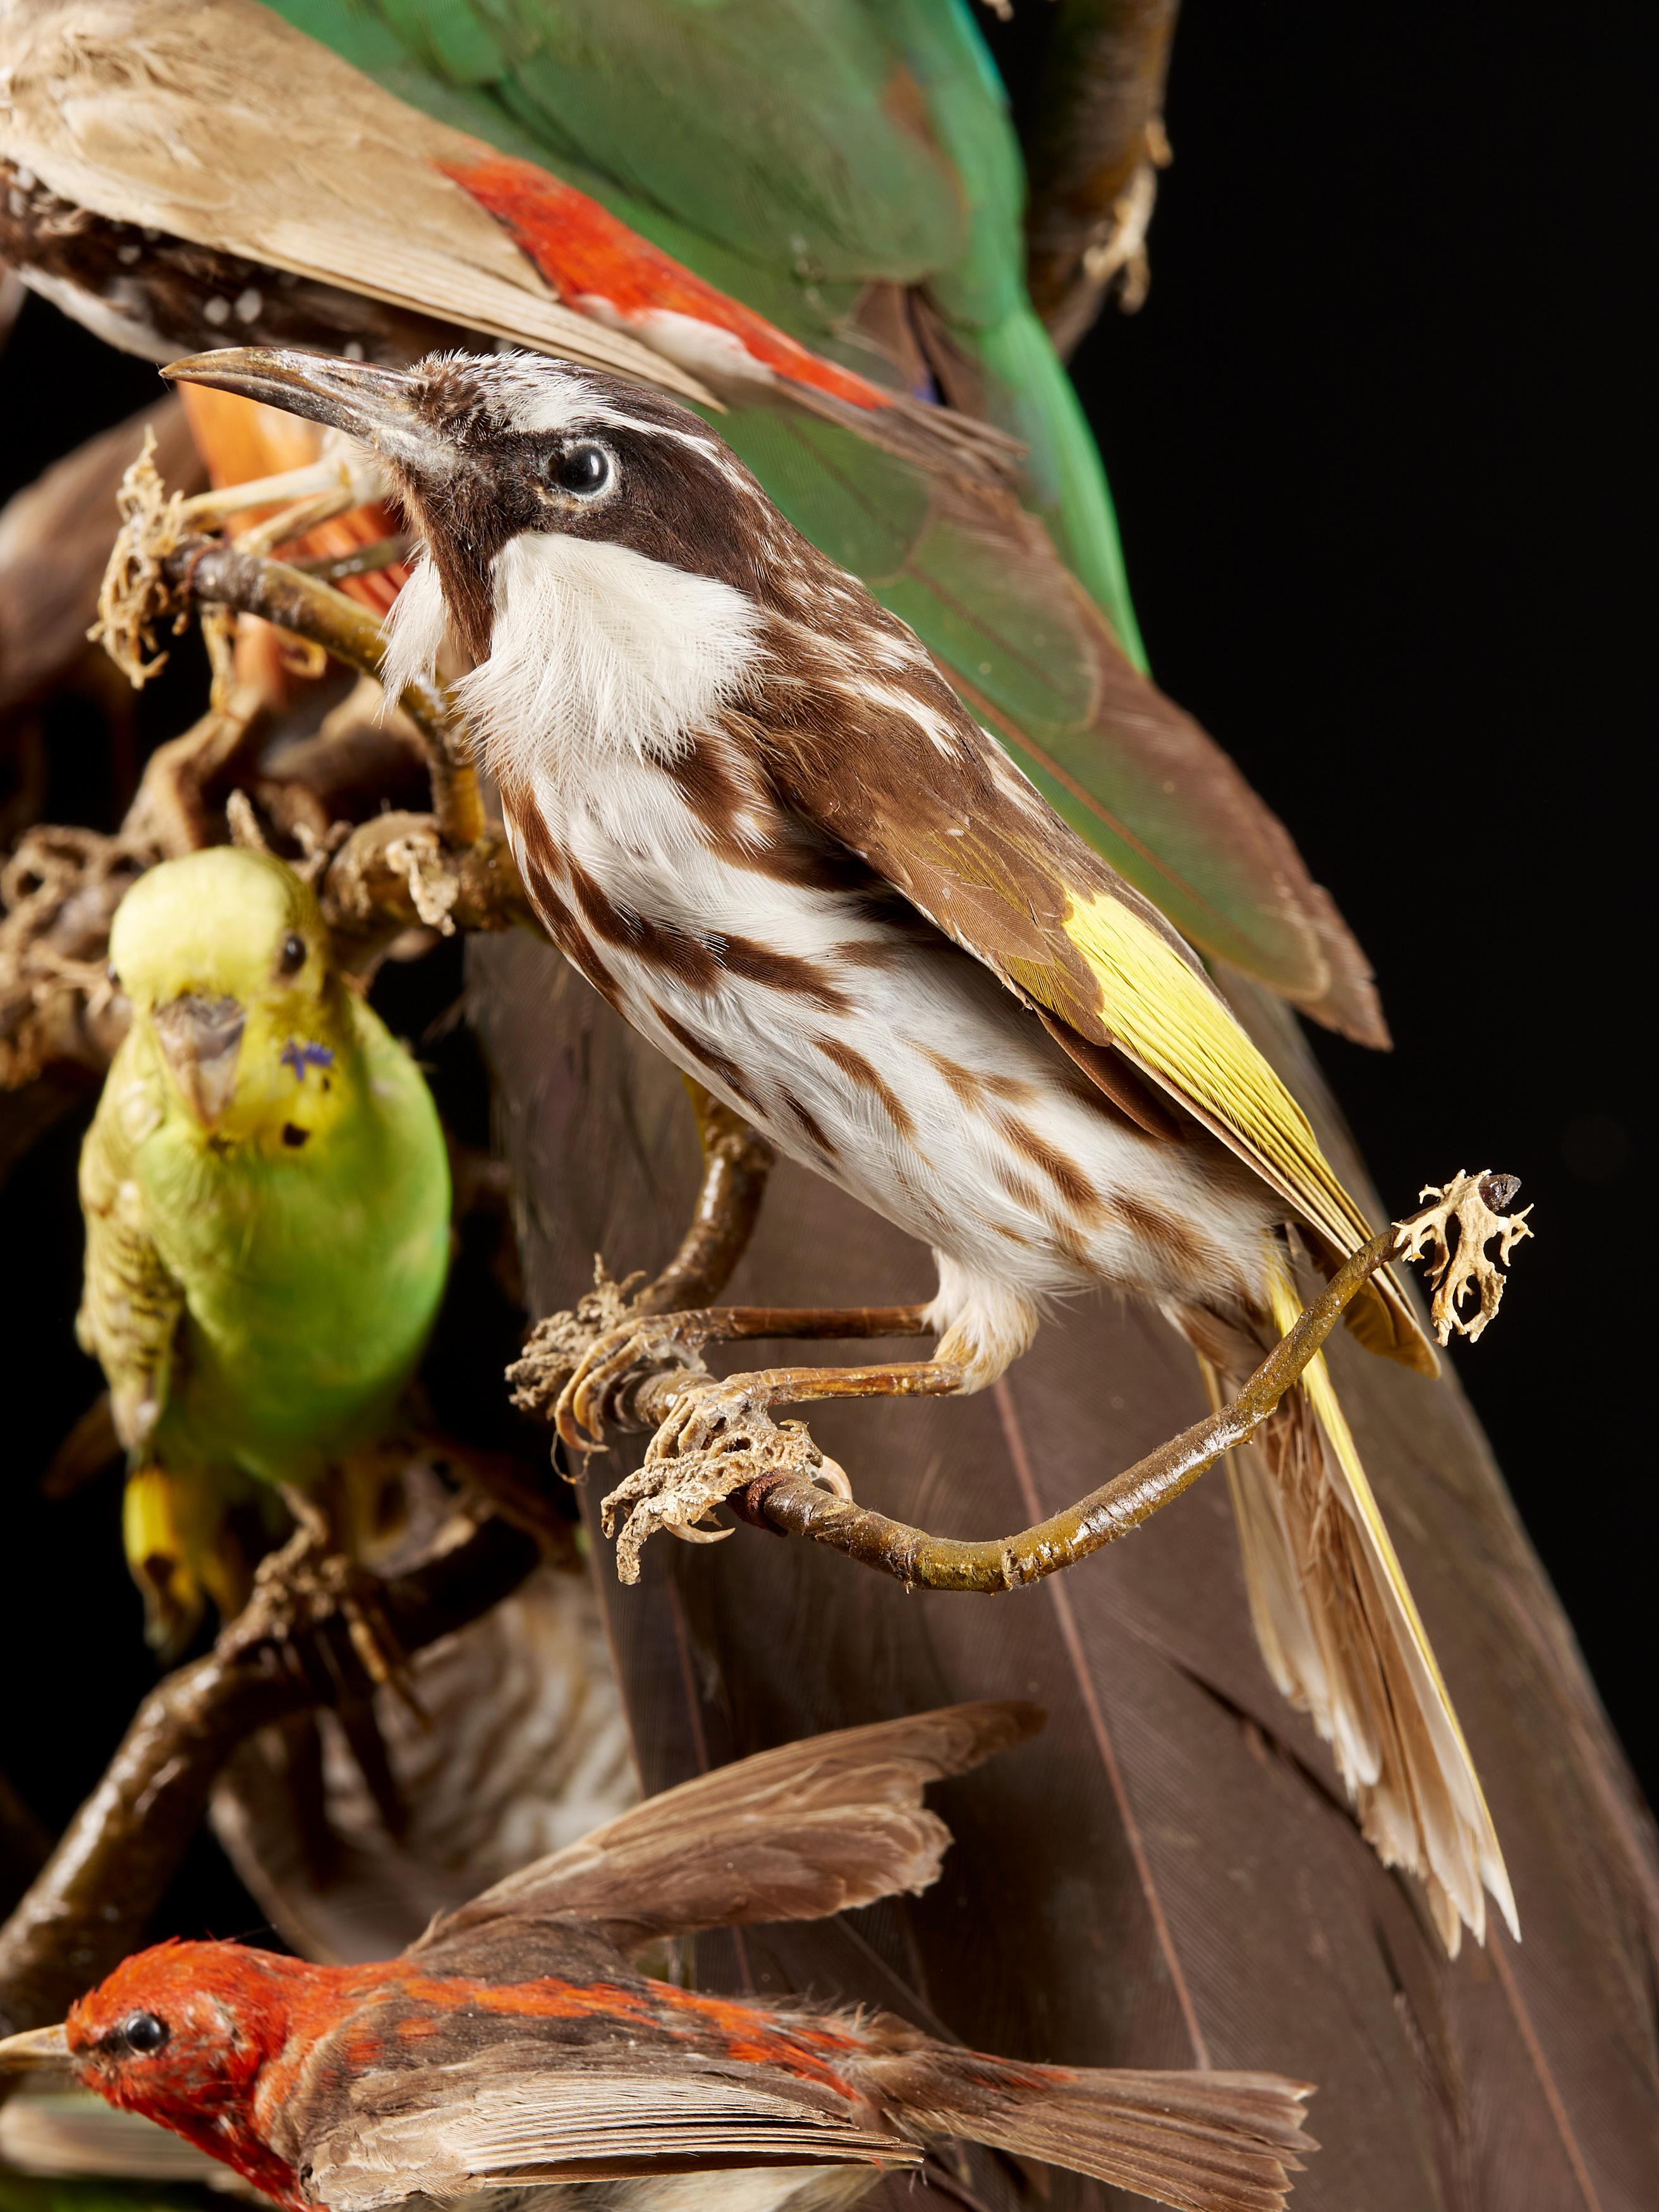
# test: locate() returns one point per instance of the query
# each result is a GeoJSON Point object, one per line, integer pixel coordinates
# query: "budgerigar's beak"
{"type": "Point", "coordinates": [202, 1039]}
{"type": "Point", "coordinates": [36, 2051]}
{"type": "Point", "coordinates": [378, 406]}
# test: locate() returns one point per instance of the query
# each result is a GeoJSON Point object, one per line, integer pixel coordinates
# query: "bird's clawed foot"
{"type": "Point", "coordinates": [587, 1367]}
{"type": "Point", "coordinates": [306, 1585]}
{"type": "Point", "coordinates": [310, 1581]}
{"type": "Point", "coordinates": [604, 1386]}
{"type": "Point", "coordinates": [718, 1438]}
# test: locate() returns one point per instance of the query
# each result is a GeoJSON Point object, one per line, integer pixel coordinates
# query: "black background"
{"type": "Point", "coordinates": [1373, 441]}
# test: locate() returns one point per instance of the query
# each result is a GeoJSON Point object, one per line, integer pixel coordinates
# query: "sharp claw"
{"type": "Point", "coordinates": [688, 1534]}
{"type": "Point", "coordinates": [833, 1476]}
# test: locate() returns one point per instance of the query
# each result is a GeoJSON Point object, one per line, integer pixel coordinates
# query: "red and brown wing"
{"type": "Point", "coordinates": [794, 1834]}
{"type": "Point", "coordinates": [431, 2090]}
{"type": "Point", "coordinates": [300, 162]}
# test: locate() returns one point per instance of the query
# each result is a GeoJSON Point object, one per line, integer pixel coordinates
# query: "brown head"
{"type": "Point", "coordinates": [485, 448]}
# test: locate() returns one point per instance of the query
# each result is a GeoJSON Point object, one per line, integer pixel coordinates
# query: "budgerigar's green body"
{"type": "Point", "coordinates": [267, 1240]}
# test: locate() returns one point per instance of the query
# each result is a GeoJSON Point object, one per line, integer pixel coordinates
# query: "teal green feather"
{"type": "Point", "coordinates": [872, 145]}
{"type": "Point", "coordinates": [848, 169]}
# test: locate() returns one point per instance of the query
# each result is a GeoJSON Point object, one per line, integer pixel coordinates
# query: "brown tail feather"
{"type": "Point", "coordinates": [1342, 1640]}
{"type": "Point", "coordinates": [1201, 2142]}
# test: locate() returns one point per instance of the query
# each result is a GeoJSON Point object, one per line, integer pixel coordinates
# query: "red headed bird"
{"type": "Point", "coordinates": [514, 2046]}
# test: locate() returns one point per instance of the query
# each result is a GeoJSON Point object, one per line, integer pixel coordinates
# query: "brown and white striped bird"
{"type": "Point", "coordinates": [751, 811]}
{"type": "Point", "coordinates": [515, 2050]}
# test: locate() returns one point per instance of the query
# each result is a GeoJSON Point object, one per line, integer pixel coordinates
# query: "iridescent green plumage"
{"type": "Point", "coordinates": [266, 1194]}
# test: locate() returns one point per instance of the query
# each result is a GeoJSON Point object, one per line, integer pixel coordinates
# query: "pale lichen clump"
{"type": "Point", "coordinates": [1475, 1203]}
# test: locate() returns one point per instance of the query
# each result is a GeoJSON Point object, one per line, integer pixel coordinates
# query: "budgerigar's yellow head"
{"type": "Point", "coordinates": [225, 958]}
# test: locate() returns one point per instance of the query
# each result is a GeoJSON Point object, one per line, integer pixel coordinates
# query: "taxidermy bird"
{"type": "Point", "coordinates": [266, 1193]}
{"type": "Point", "coordinates": [751, 809]}
{"type": "Point", "coordinates": [514, 2045]}
{"type": "Point", "coordinates": [828, 273]}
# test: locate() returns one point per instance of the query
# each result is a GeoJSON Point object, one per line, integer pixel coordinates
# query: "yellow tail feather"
{"type": "Point", "coordinates": [1454, 1845]}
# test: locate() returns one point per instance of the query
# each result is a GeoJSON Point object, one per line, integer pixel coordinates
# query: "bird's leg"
{"type": "Point", "coordinates": [719, 1436]}
{"type": "Point", "coordinates": [312, 1578]}
{"type": "Point", "coordinates": [634, 1329]}
{"type": "Point", "coordinates": [630, 1370]}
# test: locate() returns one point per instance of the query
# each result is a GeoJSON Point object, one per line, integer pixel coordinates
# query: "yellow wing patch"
{"type": "Point", "coordinates": [1166, 1016]}
{"type": "Point", "coordinates": [1163, 1014]}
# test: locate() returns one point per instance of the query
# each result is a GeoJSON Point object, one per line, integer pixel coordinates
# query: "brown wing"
{"type": "Point", "coordinates": [897, 771]}
{"type": "Point", "coordinates": [297, 160]}
{"type": "Point", "coordinates": [795, 1834]}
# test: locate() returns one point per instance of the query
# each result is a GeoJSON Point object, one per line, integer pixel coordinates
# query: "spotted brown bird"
{"type": "Point", "coordinates": [515, 2046]}
{"type": "Point", "coordinates": [751, 811]}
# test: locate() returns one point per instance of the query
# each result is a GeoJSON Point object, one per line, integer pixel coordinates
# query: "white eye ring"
{"type": "Point", "coordinates": [582, 471]}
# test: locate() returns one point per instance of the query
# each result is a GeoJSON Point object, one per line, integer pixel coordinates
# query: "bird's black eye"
{"type": "Point", "coordinates": [582, 469]}
{"type": "Point", "coordinates": [294, 954]}
{"type": "Point", "coordinates": [143, 2033]}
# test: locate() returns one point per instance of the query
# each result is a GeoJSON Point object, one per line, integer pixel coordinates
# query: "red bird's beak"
{"type": "Point", "coordinates": [36, 2051]}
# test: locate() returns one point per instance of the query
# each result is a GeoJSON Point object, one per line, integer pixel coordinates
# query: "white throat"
{"type": "Point", "coordinates": [598, 654]}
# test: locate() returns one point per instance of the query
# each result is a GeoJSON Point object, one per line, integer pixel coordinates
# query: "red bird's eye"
{"type": "Point", "coordinates": [143, 2033]}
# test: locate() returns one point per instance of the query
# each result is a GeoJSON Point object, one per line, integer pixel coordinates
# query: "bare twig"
{"type": "Point", "coordinates": [93, 1900]}
{"type": "Point", "coordinates": [209, 570]}
{"type": "Point", "coordinates": [793, 1506]}
{"type": "Point", "coordinates": [161, 567]}
{"type": "Point", "coordinates": [362, 560]}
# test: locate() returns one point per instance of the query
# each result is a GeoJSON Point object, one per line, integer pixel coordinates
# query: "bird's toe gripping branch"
{"type": "Point", "coordinates": [1475, 1204]}
{"type": "Point", "coordinates": [718, 1437]}
{"type": "Point", "coordinates": [588, 1366]}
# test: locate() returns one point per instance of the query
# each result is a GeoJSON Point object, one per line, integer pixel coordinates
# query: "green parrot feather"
{"type": "Point", "coordinates": [848, 169]}
{"type": "Point", "coordinates": [872, 146]}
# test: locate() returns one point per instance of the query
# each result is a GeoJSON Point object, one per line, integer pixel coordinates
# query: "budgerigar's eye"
{"type": "Point", "coordinates": [143, 2033]}
{"type": "Point", "coordinates": [582, 469]}
{"type": "Point", "coordinates": [294, 954]}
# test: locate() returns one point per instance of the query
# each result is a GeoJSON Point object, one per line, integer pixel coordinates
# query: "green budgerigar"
{"type": "Point", "coordinates": [267, 1200]}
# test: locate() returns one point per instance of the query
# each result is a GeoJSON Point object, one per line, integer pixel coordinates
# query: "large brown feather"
{"type": "Point", "coordinates": [1171, 1874]}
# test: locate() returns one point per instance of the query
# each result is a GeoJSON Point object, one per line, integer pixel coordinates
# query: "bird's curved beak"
{"type": "Point", "coordinates": [36, 2051]}
{"type": "Point", "coordinates": [378, 406]}
{"type": "Point", "coordinates": [202, 1040]}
